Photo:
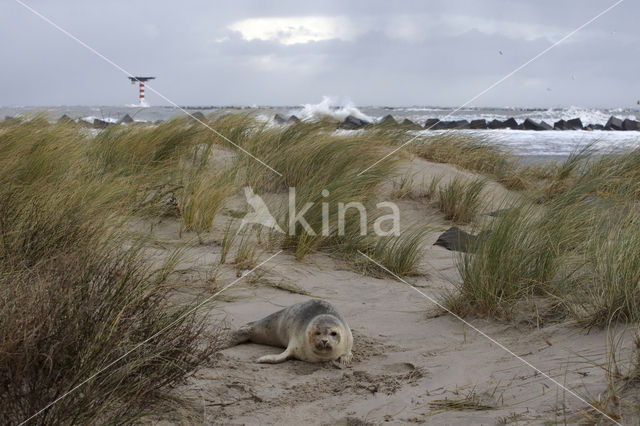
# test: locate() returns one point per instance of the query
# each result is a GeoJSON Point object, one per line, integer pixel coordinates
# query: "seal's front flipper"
{"type": "Point", "coordinates": [275, 359]}
{"type": "Point", "coordinates": [343, 361]}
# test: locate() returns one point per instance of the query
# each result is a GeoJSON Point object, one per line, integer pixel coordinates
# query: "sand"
{"type": "Point", "coordinates": [413, 363]}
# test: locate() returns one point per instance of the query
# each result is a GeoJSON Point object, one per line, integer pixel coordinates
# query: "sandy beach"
{"type": "Point", "coordinates": [413, 362]}
{"type": "Point", "coordinates": [161, 240]}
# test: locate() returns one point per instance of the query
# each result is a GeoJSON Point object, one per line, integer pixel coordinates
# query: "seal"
{"type": "Point", "coordinates": [312, 331]}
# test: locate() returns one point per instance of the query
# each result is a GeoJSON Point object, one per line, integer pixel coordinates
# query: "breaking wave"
{"type": "Point", "coordinates": [330, 107]}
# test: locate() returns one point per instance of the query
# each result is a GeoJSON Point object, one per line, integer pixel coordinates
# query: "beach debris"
{"type": "Point", "coordinates": [455, 239]}
{"type": "Point", "coordinates": [470, 402]}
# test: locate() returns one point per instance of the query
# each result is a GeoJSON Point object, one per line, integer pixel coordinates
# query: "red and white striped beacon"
{"type": "Point", "coordinates": [141, 80]}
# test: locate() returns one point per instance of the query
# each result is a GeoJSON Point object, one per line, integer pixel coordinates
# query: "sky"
{"type": "Point", "coordinates": [436, 52]}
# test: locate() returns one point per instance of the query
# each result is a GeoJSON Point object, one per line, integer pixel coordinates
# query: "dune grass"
{"type": "Point", "coordinates": [460, 201]}
{"type": "Point", "coordinates": [324, 169]}
{"type": "Point", "coordinates": [576, 242]}
{"type": "Point", "coordinates": [203, 196]}
{"type": "Point", "coordinates": [247, 251]}
{"type": "Point", "coordinates": [400, 254]}
{"type": "Point", "coordinates": [518, 258]}
{"type": "Point", "coordinates": [606, 284]}
{"type": "Point", "coordinates": [472, 152]}
{"type": "Point", "coordinates": [403, 188]}
{"type": "Point", "coordinates": [328, 172]}
{"type": "Point", "coordinates": [75, 289]}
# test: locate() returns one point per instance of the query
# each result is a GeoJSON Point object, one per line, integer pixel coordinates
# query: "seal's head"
{"type": "Point", "coordinates": [325, 336]}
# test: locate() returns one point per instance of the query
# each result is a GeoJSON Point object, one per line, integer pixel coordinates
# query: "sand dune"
{"type": "Point", "coordinates": [413, 363]}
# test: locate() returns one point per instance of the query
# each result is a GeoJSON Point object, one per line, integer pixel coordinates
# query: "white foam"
{"type": "Point", "coordinates": [346, 132]}
{"type": "Point", "coordinates": [142, 104]}
{"type": "Point", "coordinates": [90, 119]}
{"type": "Point", "coordinates": [530, 142]}
{"type": "Point", "coordinates": [330, 107]}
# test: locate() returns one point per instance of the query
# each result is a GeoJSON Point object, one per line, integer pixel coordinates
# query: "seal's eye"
{"type": "Point", "coordinates": [333, 333]}
{"type": "Point", "coordinates": [317, 333]}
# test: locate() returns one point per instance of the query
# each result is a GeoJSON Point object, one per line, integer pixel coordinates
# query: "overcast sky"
{"type": "Point", "coordinates": [292, 52]}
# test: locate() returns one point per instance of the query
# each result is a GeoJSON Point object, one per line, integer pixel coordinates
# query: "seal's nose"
{"type": "Point", "coordinates": [325, 341]}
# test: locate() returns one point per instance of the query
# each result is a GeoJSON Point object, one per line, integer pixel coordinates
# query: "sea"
{"type": "Point", "coordinates": [538, 145]}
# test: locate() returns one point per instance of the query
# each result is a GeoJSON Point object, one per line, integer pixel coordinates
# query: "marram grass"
{"type": "Point", "coordinates": [75, 292]}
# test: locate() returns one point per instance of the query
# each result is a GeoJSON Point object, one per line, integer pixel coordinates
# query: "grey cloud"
{"type": "Point", "coordinates": [181, 45]}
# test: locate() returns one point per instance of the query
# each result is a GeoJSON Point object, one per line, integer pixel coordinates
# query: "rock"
{"type": "Point", "coordinates": [126, 119]}
{"type": "Point", "coordinates": [65, 119]}
{"type": "Point", "coordinates": [158, 122]}
{"type": "Point", "coordinates": [456, 124]}
{"type": "Point", "coordinates": [293, 119]}
{"type": "Point", "coordinates": [456, 239]}
{"type": "Point", "coordinates": [388, 120]}
{"type": "Point", "coordinates": [560, 125]}
{"type": "Point", "coordinates": [12, 120]}
{"type": "Point", "coordinates": [545, 125]}
{"type": "Point", "coordinates": [197, 116]}
{"type": "Point", "coordinates": [628, 124]}
{"type": "Point", "coordinates": [613, 123]}
{"type": "Point", "coordinates": [495, 124]}
{"type": "Point", "coordinates": [478, 124]}
{"type": "Point", "coordinates": [352, 123]}
{"type": "Point", "coordinates": [593, 127]}
{"type": "Point", "coordinates": [529, 124]}
{"type": "Point", "coordinates": [446, 125]}
{"type": "Point", "coordinates": [278, 119]}
{"type": "Point", "coordinates": [510, 123]}
{"type": "Point", "coordinates": [410, 124]}
{"type": "Point", "coordinates": [461, 124]}
{"type": "Point", "coordinates": [574, 124]}
{"type": "Point", "coordinates": [100, 124]}
{"type": "Point", "coordinates": [432, 123]}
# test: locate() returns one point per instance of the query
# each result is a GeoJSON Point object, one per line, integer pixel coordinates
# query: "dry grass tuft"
{"type": "Point", "coordinates": [75, 291]}
{"type": "Point", "coordinates": [461, 201]}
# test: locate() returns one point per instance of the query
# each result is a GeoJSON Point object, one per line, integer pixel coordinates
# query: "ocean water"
{"type": "Point", "coordinates": [552, 144]}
